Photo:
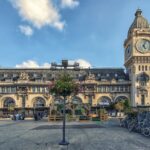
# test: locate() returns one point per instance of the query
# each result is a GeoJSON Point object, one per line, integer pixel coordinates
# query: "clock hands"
{"type": "Point", "coordinates": [145, 45]}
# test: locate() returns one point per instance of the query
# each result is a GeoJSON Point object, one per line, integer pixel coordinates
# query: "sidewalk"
{"type": "Point", "coordinates": [6, 119]}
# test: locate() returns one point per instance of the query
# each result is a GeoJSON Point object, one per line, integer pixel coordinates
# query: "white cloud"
{"type": "Point", "coordinates": [39, 13]}
{"type": "Point", "coordinates": [82, 63]}
{"type": "Point", "coordinates": [32, 64]}
{"type": "Point", "coordinates": [69, 3]}
{"type": "Point", "coordinates": [26, 30]}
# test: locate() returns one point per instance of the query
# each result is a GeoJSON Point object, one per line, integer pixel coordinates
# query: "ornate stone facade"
{"type": "Point", "coordinates": [28, 88]}
{"type": "Point", "coordinates": [97, 87]}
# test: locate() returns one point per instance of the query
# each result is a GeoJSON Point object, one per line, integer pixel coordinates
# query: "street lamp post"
{"type": "Point", "coordinates": [65, 65]}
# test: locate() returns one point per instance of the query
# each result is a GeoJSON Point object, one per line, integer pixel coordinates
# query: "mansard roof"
{"type": "Point", "coordinates": [81, 74]}
{"type": "Point", "coordinates": [110, 73]}
{"type": "Point", "coordinates": [139, 21]}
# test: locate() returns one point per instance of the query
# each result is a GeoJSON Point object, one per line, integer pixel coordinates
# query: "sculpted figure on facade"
{"type": "Point", "coordinates": [24, 76]}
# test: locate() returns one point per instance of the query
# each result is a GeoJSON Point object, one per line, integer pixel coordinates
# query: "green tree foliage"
{"type": "Point", "coordinates": [119, 106]}
{"type": "Point", "coordinates": [123, 105]}
{"type": "Point", "coordinates": [64, 86]}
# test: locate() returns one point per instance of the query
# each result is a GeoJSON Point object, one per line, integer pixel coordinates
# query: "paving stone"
{"type": "Point", "coordinates": [31, 135]}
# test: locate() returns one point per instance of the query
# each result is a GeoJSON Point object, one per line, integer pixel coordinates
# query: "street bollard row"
{"type": "Point", "coordinates": [137, 122]}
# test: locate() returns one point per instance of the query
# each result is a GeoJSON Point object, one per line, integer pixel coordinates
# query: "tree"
{"type": "Point", "coordinates": [126, 104]}
{"type": "Point", "coordinates": [64, 86]}
{"type": "Point", "coordinates": [127, 107]}
{"type": "Point", "coordinates": [119, 106]}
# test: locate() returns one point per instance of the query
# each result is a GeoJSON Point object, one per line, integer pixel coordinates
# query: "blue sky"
{"type": "Point", "coordinates": [52, 30]}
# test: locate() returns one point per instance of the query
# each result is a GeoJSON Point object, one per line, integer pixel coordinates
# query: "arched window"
{"type": "Point", "coordinates": [39, 102]}
{"type": "Point", "coordinates": [143, 78]}
{"type": "Point", "coordinates": [145, 68]}
{"type": "Point", "coordinates": [104, 101]}
{"type": "Point", "coordinates": [58, 101]}
{"type": "Point", "coordinates": [9, 102]}
{"type": "Point", "coordinates": [121, 98]}
{"type": "Point", "coordinates": [76, 100]}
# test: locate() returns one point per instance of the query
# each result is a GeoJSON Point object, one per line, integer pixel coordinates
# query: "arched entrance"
{"type": "Point", "coordinates": [39, 106]}
{"type": "Point", "coordinates": [8, 105]}
{"type": "Point", "coordinates": [77, 106]}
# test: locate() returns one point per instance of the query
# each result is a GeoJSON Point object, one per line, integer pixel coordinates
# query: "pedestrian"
{"type": "Point", "coordinates": [35, 117]}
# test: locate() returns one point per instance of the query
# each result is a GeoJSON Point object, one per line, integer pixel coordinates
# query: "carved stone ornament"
{"type": "Point", "coordinates": [91, 76]}
{"type": "Point", "coordinates": [47, 96]}
{"type": "Point", "coordinates": [23, 76]}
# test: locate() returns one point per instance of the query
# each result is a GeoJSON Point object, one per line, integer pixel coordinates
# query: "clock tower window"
{"type": "Point", "coordinates": [139, 68]}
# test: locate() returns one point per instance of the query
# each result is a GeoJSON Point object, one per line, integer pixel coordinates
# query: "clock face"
{"type": "Point", "coordinates": [128, 51]}
{"type": "Point", "coordinates": [143, 45]}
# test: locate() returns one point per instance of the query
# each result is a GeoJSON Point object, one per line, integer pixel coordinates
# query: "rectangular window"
{"type": "Point", "coordinates": [38, 89]}
{"type": "Point", "coordinates": [3, 90]}
{"type": "Point", "coordinates": [33, 89]}
{"type": "Point", "coordinates": [43, 89]}
{"type": "Point", "coordinates": [145, 68]}
{"type": "Point", "coordinates": [13, 89]}
{"type": "Point", "coordinates": [126, 89]}
{"type": "Point", "coordinates": [8, 90]}
{"type": "Point", "coordinates": [113, 88]}
{"type": "Point", "coordinates": [121, 88]}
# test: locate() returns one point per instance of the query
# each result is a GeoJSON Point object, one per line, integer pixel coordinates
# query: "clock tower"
{"type": "Point", "coordinates": [137, 60]}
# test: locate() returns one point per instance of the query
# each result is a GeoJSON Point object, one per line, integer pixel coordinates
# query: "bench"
{"type": "Point", "coordinates": [54, 118]}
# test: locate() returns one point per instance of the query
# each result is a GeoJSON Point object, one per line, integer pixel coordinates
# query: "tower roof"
{"type": "Point", "coordinates": [139, 21]}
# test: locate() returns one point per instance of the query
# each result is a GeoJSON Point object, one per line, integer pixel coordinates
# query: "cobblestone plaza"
{"type": "Point", "coordinates": [23, 135]}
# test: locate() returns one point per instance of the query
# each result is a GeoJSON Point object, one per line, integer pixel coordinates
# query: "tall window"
{"type": "Point", "coordinates": [13, 89]}
{"type": "Point", "coordinates": [139, 68]}
{"type": "Point", "coordinates": [38, 89]}
{"type": "Point", "coordinates": [43, 89]}
{"type": "Point", "coordinates": [90, 99]}
{"type": "Point", "coordinates": [33, 89]}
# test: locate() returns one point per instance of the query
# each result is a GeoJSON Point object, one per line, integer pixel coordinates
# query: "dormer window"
{"type": "Point", "coordinates": [5, 75]}
{"type": "Point", "coordinates": [107, 75]}
{"type": "Point", "coordinates": [98, 74]}
{"type": "Point", "coordinates": [34, 75]}
{"type": "Point", "coordinates": [116, 75]}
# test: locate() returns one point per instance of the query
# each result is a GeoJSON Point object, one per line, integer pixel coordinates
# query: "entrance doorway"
{"type": "Point", "coordinates": [39, 107]}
